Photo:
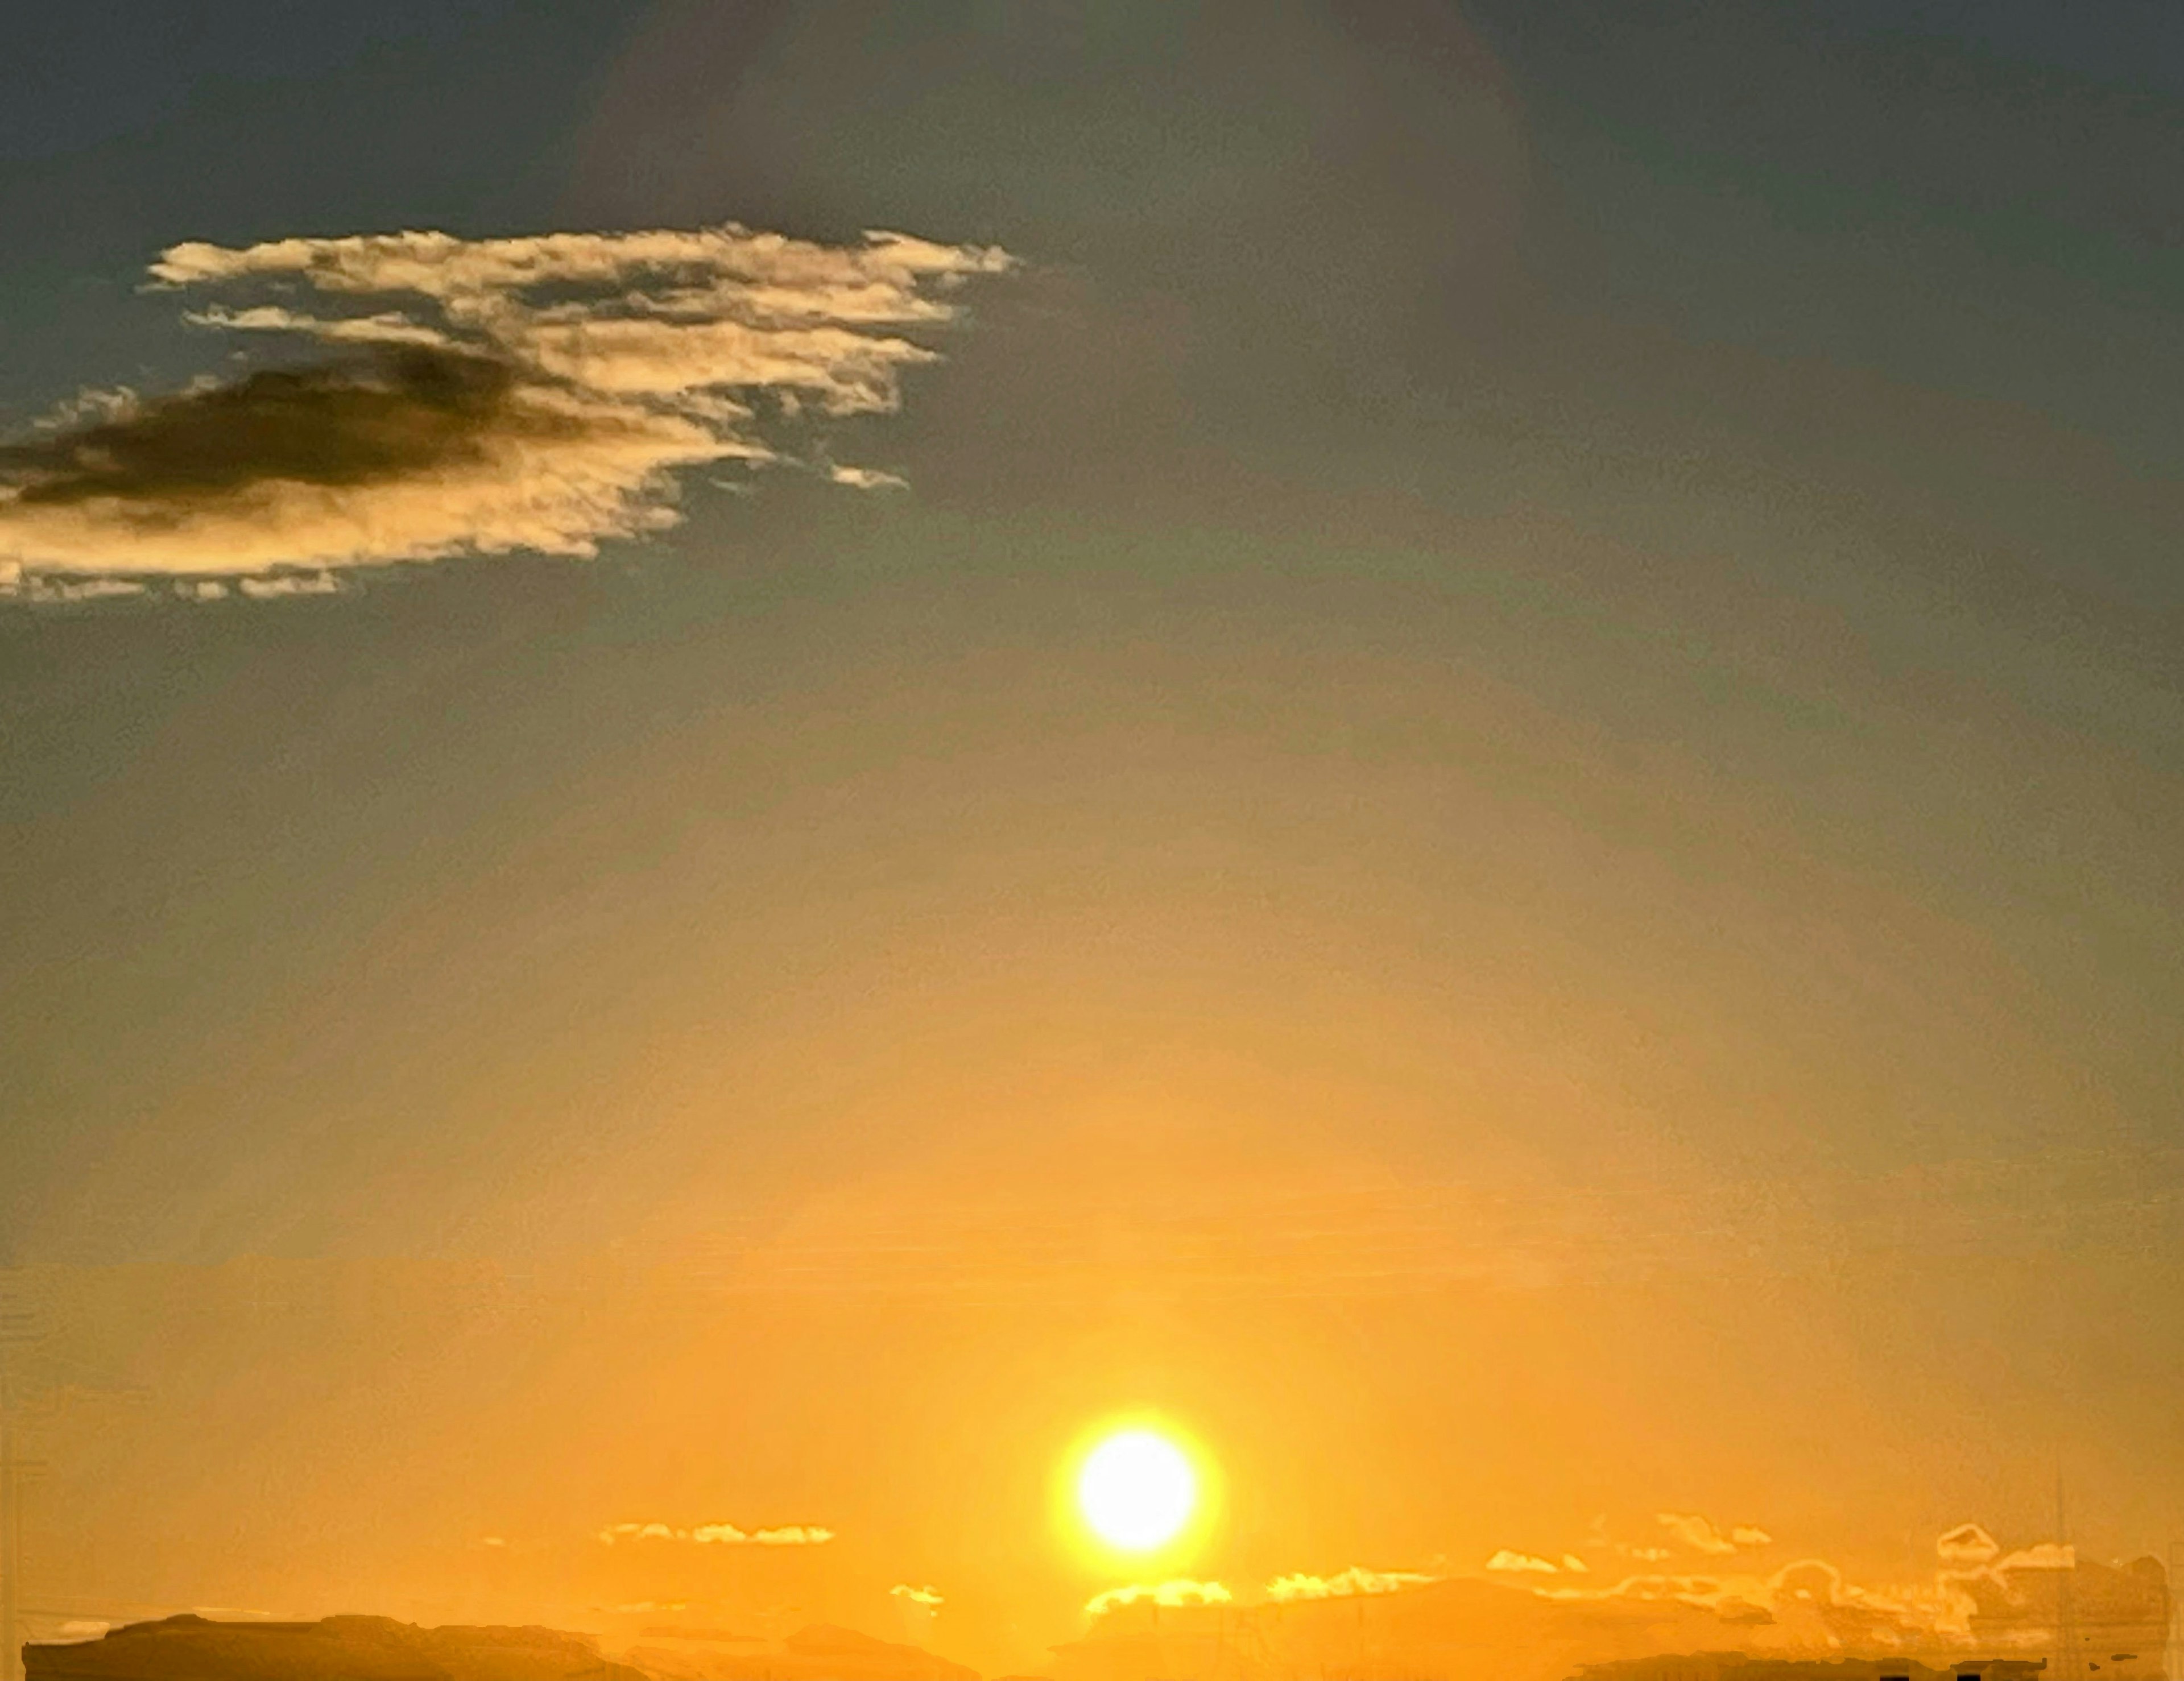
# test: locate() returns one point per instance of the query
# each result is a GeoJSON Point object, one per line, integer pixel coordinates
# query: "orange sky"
{"type": "Point", "coordinates": [1446, 739]}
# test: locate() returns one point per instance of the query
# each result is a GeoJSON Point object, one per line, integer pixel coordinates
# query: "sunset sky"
{"type": "Point", "coordinates": [1445, 742]}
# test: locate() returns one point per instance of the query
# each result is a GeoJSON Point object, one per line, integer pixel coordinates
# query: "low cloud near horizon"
{"type": "Point", "coordinates": [473, 397]}
{"type": "Point", "coordinates": [1283, 1590]}
{"type": "Point", "coordinates": [719, 1534]}
{"type": "Point", "coordinates": [1701, 1534]}
{"type": "Point", "coordinates": [1808, 1605]}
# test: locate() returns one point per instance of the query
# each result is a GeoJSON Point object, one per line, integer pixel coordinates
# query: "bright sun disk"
{"type": "Point", "coordinates": [1137, 1490]}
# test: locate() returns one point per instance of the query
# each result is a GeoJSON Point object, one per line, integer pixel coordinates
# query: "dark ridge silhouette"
{"type": "Point", "coordinates": [189, 1648]}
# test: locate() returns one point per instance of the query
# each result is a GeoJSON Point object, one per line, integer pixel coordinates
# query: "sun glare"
{"type": "Point", "coordinates": [1137, 1490]}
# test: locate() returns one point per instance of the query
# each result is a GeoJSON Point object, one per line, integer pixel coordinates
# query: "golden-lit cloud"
{"type": "Point", "coordinates": [1509, 1560]}
{"type": "Point", "coordinates": [1811, 1605]}
{"type": "Point", "coordinates": [1537, 1628]}
{"type": "Point", "coordinates": [719, 1534]}
{"type": "Point", "coordinates": [1175, 1592]}
{"type": "Point", "coordinates": [472, 395]}
{"type": "Point", "coordinates": [1513, 1563]}
{"type": "Point", "coordinates": [1356, 1579]}
{"type": "Point", "coordinates": [1968, 1544]}
{"type": "Point", "coordinates": [1702, 1535]}
{"type": "Point", "coordinates": [916, 1596]}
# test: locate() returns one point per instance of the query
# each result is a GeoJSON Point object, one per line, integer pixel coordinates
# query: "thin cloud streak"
{"type": "Point", "coordinates": [718, 1534]}
{"type": "Point", "coordinates": [1177, 1591]}
{"type": "Point", "coordinates": [1286, 1590]}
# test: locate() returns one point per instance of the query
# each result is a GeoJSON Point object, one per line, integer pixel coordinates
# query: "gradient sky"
{"type": "Point", "coordinates": [1499, 818]}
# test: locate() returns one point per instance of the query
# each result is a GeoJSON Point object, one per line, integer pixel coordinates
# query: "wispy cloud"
{"type": "Point", "coordinates": [1811, 1605]}
{"type": "Point", "coordinates": [1512, 1562]}
{"type": "Point", "coordinates": [1968, 1544]}
{"type": "Point", "coordinates": [719, 1534]}
{"type": "Point", "coordinates": [1177, 1591]}
{"type": "Point", "coordinates": [1806, 1607]}
{"type": "Point", "coordinates": [1356, 1579]}
{"type": "Point", "coordinates": [917, 1596]}
{"type": "Point", "coordinates": [474, 396]}
{"type": "Point", "coordinates": [1702, 1535]}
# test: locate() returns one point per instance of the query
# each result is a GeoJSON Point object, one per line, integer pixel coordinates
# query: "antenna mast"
{"type": "Point", "coordinates": [2172, 1665]}
{"type": "Point", "coordinates": [2066, 1618]}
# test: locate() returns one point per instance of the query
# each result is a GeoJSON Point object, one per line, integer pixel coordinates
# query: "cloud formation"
{"type": "Point", "coordinates": [1512, 1562]}
{"type": "Point", "coordinates": [1808, 1607]}
{"type": "Point", "coordinates": [1811, 1606]}
{"type": "Point", "coordinates": [474, 396]}
{"type": "Point", "coordinates": [719, 1534]}
{"type": "Point", "coordinates": [1177, 1591]}
{"type": "Point", "coordinates": [1702, 1535]}
{"type": "Point", "coordinates": [919, 1596]}
{"type": "Point", "coordinates": [2047, 1555]}
{"type": "Point", "coordinates": [1283, 1590]}
{"type": "Point", "coordinates": [1968, 1544]}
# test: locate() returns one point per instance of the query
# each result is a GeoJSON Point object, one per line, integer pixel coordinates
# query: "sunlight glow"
{"type": "Point", "coordinates": [1137, 1490]}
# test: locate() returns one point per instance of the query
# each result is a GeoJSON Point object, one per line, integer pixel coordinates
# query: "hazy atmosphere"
{"type": "Point", "coordinates": [1038, 827]}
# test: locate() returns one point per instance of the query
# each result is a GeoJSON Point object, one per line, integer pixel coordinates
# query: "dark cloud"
{"type": "Point", "coordinates": [402, 411]}
{"type": "Point", "coordinates": [479, 396]}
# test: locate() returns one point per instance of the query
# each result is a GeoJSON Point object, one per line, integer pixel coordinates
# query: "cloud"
{"type": "Point", "coordinates": [719, 1534]}
{"type": "Point", "coordinates": [1177, 1591]}
{"type": "Point", "coordinates": [1513, 1563]}
{"type": "Point", "coordinates": [1810, 1605]}
{"type": "Point", "coordinates": [2047, 1555]}
{"type": "Point", "coordinates": [1745, 1535]}
{"type": "Point", "coordinates": [866, 478]}
{"type": "Point", "coordinates": [16, 584]}
{"type": "Point", "coordinates": [1700, 1535]}
{"type": "Point", "coordinates": [274, 585]}
{"type": "Point", "coordinates": [475, 396]}
{"type": "Point", "coordinates": [919, 1596]}
{"type": "Point", "coordinates": [1283, 1589]}
{"type": "Point", "coordinates": [1804, 1607]}
{"type": "Point", "coordinates": [1575, 1565]}
{"type": "Point", "coordinates": [1968, 1545]}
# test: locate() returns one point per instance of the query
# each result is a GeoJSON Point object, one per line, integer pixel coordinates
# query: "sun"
{"type": "Point", "coordinates": [1137, 1490]}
